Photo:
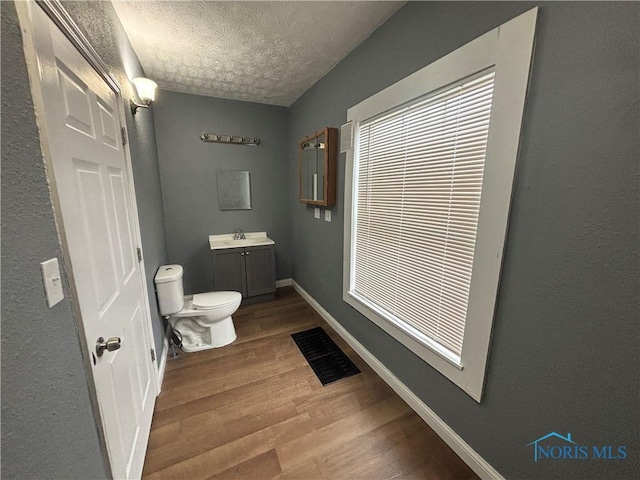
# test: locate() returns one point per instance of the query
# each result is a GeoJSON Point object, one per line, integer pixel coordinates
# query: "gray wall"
{"type": "Point", "coordinates": [565, 342]}
{"type": "Point", "coordinates": [48, 426]}
{"type": "Point", "coordinates": [565, 349]}
{"type": "Point", "coordinates": [189, 180]}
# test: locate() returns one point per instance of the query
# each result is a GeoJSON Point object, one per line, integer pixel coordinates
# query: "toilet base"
{"type": "Point", "coordinates": [196, 337]}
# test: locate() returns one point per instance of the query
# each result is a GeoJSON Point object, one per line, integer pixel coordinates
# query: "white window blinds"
{"type": "Point", "coordinates": [419, 174]}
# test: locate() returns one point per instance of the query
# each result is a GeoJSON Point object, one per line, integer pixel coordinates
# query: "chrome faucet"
{"type": "Point", "coordinates": [239, 235]}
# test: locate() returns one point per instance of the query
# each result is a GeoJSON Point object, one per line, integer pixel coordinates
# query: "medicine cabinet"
{"type": "Point", "coordinates": [317, 157]}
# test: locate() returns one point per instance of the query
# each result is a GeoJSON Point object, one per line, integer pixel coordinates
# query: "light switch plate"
{"type": "Point", "coordinates": [52, 281]}
{"type": "Point", "coordinates": [316, 212]}
{"type": "Point", "coordinates": [327, 215]}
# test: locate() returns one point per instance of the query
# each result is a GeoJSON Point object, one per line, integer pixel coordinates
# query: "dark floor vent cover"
{"type": "Point", "coordinates": [328, 362]}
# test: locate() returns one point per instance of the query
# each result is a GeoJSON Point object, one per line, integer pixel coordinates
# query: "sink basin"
{"type": "Point", "coordinates": [244, 242]}
{"type": "Point", "coordinates": [252, 239]}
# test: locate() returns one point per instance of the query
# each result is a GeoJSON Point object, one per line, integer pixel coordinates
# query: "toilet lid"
{"type": "Point", "coordinates": [210, 300]}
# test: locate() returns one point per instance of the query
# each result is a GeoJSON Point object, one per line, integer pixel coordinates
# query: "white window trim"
{"type": "Point", "coordinates": [509, 49]}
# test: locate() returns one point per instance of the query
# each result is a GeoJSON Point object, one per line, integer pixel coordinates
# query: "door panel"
{"type": "Point", "coordinates": [109, 125]}
{"type": "Point", "coordinates": [122, 232]}
{"type": "Point", "coordinates": [95, 225]}
{"type": "Point", "coordinates": [77, 103]}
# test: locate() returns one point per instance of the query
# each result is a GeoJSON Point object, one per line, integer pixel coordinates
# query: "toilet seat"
{"type": "Point", "coordinates": [214, 300]}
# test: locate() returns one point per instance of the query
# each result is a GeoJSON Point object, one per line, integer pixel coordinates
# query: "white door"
{"type": "Point", "coordinates": [91, 180]}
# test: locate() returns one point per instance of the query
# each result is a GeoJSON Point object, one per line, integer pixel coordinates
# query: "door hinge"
{"type": "Point", "coordinates": [153, 355]}
{"type": "Point", "coordinates": [139, 255]}
{"type": "Point", "coordinates": [124, 135]}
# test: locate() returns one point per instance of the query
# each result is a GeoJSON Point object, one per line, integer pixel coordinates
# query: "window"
{"type": "Point", "coordinates": [428, 190]}
{"type": "Point", "coordinates": [418, 186]}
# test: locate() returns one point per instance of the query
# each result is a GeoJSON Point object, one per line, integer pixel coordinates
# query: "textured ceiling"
{"type": "Point", "coordinates": [265, 52]}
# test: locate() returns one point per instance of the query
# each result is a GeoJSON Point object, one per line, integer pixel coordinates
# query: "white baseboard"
{"type": "Point", "coordinates": [163, 359]}
{"type": "Point", "coordinates": [478, 464]}
{"type": "Point", "coordinates": [285, 282]}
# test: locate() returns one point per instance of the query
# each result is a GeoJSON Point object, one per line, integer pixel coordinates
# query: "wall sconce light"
{"type": "Point", "coordinates": [146, 90]}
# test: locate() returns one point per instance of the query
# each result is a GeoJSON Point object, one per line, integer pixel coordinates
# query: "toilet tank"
{"type": "Point", "coordinates": [169, 289]}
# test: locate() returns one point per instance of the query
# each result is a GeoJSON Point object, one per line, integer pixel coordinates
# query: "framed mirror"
{"type": "Point", "coordinates": [234, 190]}
{"type": "Point", "coordinates": [317, 156]}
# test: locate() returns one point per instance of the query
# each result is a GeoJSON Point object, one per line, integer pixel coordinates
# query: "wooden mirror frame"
{"type": "Point", "coordinates": [329, 164]}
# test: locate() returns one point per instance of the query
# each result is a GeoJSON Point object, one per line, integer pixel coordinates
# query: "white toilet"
{"type": "Point", "coordinates": [204, 319]}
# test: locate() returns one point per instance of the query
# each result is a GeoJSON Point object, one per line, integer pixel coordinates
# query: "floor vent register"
{"type": "Point", "coordinates": [328, 362]}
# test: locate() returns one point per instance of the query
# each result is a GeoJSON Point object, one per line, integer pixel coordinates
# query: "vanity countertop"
{"type": "Point", "coordinates": [252, 239]}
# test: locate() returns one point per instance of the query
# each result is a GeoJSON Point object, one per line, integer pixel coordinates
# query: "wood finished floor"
{"type": "Point", "coordinates": [255, 410]}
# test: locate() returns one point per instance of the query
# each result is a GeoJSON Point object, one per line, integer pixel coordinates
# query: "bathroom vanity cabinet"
{"type": "Point", "coordinates": [248, 270]}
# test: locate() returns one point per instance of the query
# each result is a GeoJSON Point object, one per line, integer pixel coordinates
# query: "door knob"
{"type": "Point", "coordinates": [114, 343]}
